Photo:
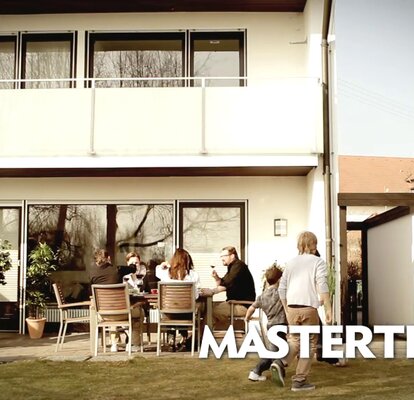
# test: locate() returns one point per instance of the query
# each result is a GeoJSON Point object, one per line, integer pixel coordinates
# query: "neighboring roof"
{"type": "Point", "coordinates": [98, 6]}
{"type": "Point", "coordinates": [358, 174]}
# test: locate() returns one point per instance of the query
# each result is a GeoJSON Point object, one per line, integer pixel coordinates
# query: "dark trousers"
{"type": "Point", "coordinates": [265, 363]}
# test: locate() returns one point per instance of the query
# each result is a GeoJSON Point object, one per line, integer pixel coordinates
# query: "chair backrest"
{"type": "Point", "coordinates": [60, 298]}
{"type": "Point", "coordinates": [111, 300]}
{"type": "Point", "coordinates": [176, 297]}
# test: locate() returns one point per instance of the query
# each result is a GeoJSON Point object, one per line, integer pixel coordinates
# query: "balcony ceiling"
{"type": "Point", "coordinates": [112, 6]}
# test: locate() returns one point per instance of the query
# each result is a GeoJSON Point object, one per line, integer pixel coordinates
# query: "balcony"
{"type": "Point", "coordinates": [263, 117]}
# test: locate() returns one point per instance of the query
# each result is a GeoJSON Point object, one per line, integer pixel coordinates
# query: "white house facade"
{"type": "Point", "coordinates": [138, 129]}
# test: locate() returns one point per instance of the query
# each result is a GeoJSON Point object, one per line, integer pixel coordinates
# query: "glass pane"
{"type": "Point", "coordinates": [146, 230]}
{"type": "Point", "coordinates": [7, 63]}
{"type": "Point", "coordinates": [9, 294]}
{"type": "Point", "coordinates": [48, 60]}
{"type": "Point", "coordinates": [138, 59]}
{"type": "Point", "coordinates": [206, 230]}
{"type": "Point", "coordinates": [76, 231]}
{"type": "Point", "coordinates": [217, 58]}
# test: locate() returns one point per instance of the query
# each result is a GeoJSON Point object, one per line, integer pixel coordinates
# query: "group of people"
{"type": "Point", "coordinates": [292, 297]}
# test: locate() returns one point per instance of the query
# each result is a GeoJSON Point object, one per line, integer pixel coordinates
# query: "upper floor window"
{"type": "Point", "coordinates": [218, 55]}
{"type": "Point", "coordinates": [121, 56]}
{"type": "Point", "coordinates": [147, 58]}
{"type": "Point", "coordinates": [47, 59]}
{"type": "Point", "coordinates": [7, 60]}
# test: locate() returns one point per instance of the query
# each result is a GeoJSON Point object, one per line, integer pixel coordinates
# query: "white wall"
{"type": "Point", "coordinates": [268, 198]}
{"type": "Point", "coordinates": [269, 52]}
{"type": "Point", "coordinates": [313, 15]}
{"type": "Point", "coordinates": [391, 272]}
{"type": "Point", "coordinates": [375, 80]}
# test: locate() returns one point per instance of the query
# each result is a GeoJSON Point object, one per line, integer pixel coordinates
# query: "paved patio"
{"type": "Point", "coordinates": [14, 347]}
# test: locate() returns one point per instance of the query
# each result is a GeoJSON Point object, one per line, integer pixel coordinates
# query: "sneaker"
{"type": "Point", "coordinates": [278, 372]}
{"type": "Point", "coordinates": [302, 386]}
{"type": "Point", "coordinates": [114, 348]}
{"type": "Point", "coordinates": [255, 377]}
{"type": "Point", "coordinates": [340, 363]}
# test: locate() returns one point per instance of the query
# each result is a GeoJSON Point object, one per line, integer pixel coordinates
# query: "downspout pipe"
{"type": "Point", "coordinates": [326, 131]}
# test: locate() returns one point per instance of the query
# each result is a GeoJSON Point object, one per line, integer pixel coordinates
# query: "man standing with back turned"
{"type": "Point", "coordinates": [237, 282]}
{"type": "Point", "coordinates": [303, 280]}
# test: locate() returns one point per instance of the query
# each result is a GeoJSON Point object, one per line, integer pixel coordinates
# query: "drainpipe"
{"type": "Point", "coordinates": [326, 136]}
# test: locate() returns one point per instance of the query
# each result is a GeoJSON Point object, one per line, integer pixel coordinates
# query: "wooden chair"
{"type": "Point", "coordinates": [176, 308]}
{"type": "Point", "coordinates": [64, 314]}
{"type": "Point", "coordinates": [113, 310]}
{"type": "Point", "coordinates": [234, 318]}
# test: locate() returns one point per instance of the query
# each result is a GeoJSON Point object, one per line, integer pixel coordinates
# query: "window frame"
{"type": "Point", "coordinates": [93, 37]}
{"type": "Point", "coordinates": [219, 35]}
{"type": "Point", "coordinates": [70, 37]}
{"type": "Point", "coordinates": [242, 205]}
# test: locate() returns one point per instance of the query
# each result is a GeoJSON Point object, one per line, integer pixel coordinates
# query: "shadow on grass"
{"type": "Point", "coordinates": [193, 378]}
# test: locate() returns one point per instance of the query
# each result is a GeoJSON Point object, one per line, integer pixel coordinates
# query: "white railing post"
{"type": "Point", "coordinates": [203, 116]}
{"type": "Point", "coordinates": [92, 125]}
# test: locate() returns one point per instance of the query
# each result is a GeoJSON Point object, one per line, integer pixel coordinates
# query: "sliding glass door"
{"type": "Point", "coordinates": [205, 228]}
{"type": "Point", "coordinates": [9, 293]}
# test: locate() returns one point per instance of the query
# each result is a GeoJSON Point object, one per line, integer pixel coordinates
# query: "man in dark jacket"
{"type": "Point", "coordinates": [238, 284]}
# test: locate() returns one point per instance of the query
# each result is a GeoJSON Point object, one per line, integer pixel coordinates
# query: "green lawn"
{"type": "Point", "coordinates": [192, 378]}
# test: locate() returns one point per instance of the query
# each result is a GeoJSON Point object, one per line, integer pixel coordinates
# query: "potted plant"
{"type": "Point", "coordinates": [5, 259]}
{"type": "Point", "coordinates": [41, 264]}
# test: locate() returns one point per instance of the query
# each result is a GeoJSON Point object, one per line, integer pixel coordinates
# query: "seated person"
{"type": "Point", "coordinates": [130, 273]}
{"type": "Point", "coordinates": [180, 268]}
{"type": "Point", "coordinates": [238, 284]}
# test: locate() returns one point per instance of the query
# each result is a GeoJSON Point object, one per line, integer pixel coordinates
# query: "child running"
{"type": "Point", "coordinates": [271, 305]}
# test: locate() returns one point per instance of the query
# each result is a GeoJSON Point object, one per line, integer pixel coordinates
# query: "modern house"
{"type": "Point", "coordinates": [135, 125]}
{"type": "Point", "coordinates": [143, 126]}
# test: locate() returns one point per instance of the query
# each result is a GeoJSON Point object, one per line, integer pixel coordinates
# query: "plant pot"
{"type": "Point", "coordinates": [35, 327]}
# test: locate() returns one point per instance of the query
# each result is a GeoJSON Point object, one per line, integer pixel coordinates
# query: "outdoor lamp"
{"type": "Point", "coordinates": [280, 227]}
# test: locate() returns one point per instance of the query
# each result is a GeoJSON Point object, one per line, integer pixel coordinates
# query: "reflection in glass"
{"type": "Point", "coordinates": [206, 230]}
{"type": "Point", "coordinates": [7, 61]}
{"type": "Point", "coordinates": [147, 56]}
{"type": "Point", "coordinates": [217, 55]}
{"type": "Point", "coordinates": [47, 60]}
{"type": "Point", "coordinates": [77, 230]}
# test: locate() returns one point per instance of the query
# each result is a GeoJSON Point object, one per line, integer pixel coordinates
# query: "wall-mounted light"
{"type": "Point", "coordinates": [280, 227]}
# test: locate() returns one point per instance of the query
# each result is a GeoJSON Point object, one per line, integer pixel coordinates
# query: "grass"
{"type": "Point", "coordinates": [193, 378]}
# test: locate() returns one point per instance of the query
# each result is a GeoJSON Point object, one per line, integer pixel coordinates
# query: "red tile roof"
{"type": "Point", "coordinates": [358, 174]}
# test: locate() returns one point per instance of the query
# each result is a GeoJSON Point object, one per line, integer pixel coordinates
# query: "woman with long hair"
{"type": "Point", "coordinates": [180, 268]}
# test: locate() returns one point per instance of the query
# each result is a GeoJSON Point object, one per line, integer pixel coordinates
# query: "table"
{"type": "Point", "coordinates": [208, 301]}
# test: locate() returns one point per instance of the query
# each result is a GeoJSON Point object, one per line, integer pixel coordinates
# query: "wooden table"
{"type": "Point", "coordinates": [208, 315]}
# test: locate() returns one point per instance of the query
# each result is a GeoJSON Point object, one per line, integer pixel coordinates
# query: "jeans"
{"type": "Point", "coordinates": [265, 363]}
